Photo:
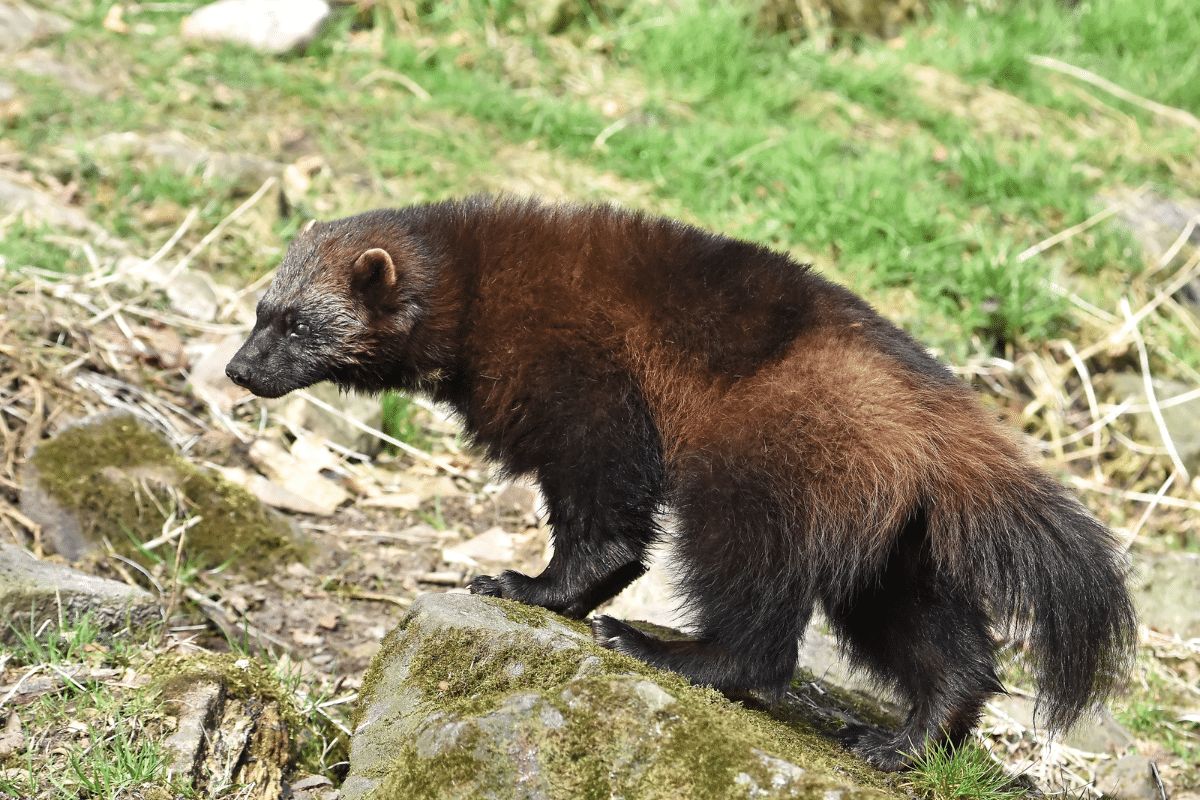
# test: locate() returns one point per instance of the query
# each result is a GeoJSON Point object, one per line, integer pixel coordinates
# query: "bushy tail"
{"type": "Point", "coordinates": [1053, 573]}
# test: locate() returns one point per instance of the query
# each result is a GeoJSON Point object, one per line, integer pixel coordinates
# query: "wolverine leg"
{"type": "Point", "coordinates": [915, 631]}
{"type": "Point", "coordinates": [749, 594]}
{"type": "Point", "coordinates": [602, 493]}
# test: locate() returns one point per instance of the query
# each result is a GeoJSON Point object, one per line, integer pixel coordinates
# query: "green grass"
{"type": "Point", "coordinates": [55, 643]}
{"type": "Point", "coordinates": [1152, 713]}
{"type": "Point", "coordinates": [400, 422]}
{"type": "Point", "coordinates": [24, 245]}
{"type": "Point", "coordinates": [104, 740]}
{"type": "Point", "coordinates": [966, 772]}
{"type": "Point", "coordinates": [1151, 54]}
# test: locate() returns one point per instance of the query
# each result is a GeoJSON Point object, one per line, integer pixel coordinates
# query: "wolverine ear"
{"type": "Point", "coordinates": [374, 270]}
{"type": "Point", "coordinates": [306, 227]}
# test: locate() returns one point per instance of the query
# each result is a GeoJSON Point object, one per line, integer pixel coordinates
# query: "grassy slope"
{"type": "Point", "coordinates": [837, 155]}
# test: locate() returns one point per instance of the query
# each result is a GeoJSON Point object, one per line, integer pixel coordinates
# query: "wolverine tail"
{"type": "Point", "coordinates": [1055, 574]}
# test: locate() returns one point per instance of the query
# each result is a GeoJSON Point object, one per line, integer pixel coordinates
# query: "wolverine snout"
{"type": "Point", "coordinates": [238, 373]}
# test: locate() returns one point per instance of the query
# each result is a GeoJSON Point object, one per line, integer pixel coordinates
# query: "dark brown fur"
{"type": "Point", "coordinates": [809, 450]}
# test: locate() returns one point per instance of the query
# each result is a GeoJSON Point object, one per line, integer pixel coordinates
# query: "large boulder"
{"type": "Point", "coordinates": [112, 478]}
{"type": "Point", "coordinates": [33, 591]}
{"type": "Point", "coordinates": [473, 697]}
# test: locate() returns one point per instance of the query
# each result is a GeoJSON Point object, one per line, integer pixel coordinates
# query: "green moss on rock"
{"type": "Point", "coordinates": [477, 705]}
{"type": "Point", "coordinates": [119, 479]}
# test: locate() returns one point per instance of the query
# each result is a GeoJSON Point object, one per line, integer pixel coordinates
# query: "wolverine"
{"type": "Point", "coordinates": [807, 450]}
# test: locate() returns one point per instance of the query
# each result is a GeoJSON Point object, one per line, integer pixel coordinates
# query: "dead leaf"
{"type": "Point", "coordinates": [114, 20]}
{"type": "Point", "coordinates": [299, 477]}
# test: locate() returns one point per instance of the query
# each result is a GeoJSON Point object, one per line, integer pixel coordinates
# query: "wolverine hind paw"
{"type": "Point", "coordinates": [874, 746]}
{"type": "Point", "coordinates": [614, 634]}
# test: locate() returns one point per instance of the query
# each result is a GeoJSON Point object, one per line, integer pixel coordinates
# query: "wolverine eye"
{"type": "Point", "coordinates": [299, 329]}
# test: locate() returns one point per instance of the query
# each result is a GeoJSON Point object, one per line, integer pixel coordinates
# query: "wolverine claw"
{"type": "Point", "coordinates": [485, 585]}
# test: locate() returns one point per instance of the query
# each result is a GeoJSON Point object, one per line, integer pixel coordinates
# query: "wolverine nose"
{"type": "Point", "coordinates": [237, 373]}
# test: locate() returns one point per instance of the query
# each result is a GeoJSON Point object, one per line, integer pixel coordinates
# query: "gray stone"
{"type": "Point", "coordinates": [36, 207]}
{"type": "Point", "coordinates": [42, 64]}
{"type": "Point", "coordinates": [444, 704]}
{"type": "Point", "coordinates": [33, 591]}
{"type": "Point", "coordinates": [196, 708]}
{"type": "Point", "coordinates": [1156, 222]}
{"type": "Point", "coordinates": [1166, 589]}
{"type": "Point", "coordinates": [1182, 421]}
{"type": "Point", "coordinates": [22, 26]}
{"type": "Point", "coordinates": [269, 26]}
{"type": "Point", "coordinates": [1098, 733]}
{"type": "Point", "coordinates": [1129, 778]}
{"type": "Point", "coordinates": [243, 172]}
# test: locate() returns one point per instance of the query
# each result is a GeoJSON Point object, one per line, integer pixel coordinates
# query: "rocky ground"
{"type": "Point", "coordinates": [196, 584]}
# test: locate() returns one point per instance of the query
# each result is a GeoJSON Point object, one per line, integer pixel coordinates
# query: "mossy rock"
{"type": "Point", "coordinates": [114, 478]}
{"type": "Point", "coordinates": [236, 723]}
{"type": "Point", "coordinates": [33, 592]}
{"type": "Point", "coordinates": [472, 697]}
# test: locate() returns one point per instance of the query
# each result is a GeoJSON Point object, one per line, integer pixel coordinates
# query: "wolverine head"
{"type": "Point", "coordinates": [345, 291]}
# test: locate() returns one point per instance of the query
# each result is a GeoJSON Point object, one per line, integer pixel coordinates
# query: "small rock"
{"type": "Point", "coordinates": [270, 493]}
{"type": "Point", "coordinates": [45, 65]}
{"type": "Point", "coordinates": [22, 26]}
{"type": "Point", "coordinates": [29, 586]}
{"type": "Point", "coordinates": [1182, 421]}
{"type": "Point", "coordinates": [1166, 590]}
{"type": "Point", "coordinates": [270, 26]}
{"type": "Point", "coordinates": [440, 578]}
{"type": "Point", "coordinates": [1156, 222]}
{"type": "Point", "coordinates": [520, 500]}
{"type": "Point", "coordinates": [1099, 733]}
{"type": "Point", "coordinates": [321, 496]}
{"type": "Point", "coordinates": [493, 546]}
{"type": "Point", "coordinates": [242, 171]}
{"type": "Point", "coordinates": [37, 207]}
{"type": "Point", "coordinates": [109, 478]}
{"type": "Point", "coordinates": [196, 708]}
{"type": "Point", "coordinates": [12, 106]}
{"type": "Point", "coordinates": [1128, 778]}
{"type": "Point", "coordinates": [12, 739]}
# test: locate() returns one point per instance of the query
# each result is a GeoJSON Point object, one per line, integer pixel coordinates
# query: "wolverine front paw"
{"type": "Point", "coordinates": [510, 584]}
{"type": "Point", "coordinates": [485, 585]}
